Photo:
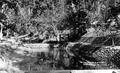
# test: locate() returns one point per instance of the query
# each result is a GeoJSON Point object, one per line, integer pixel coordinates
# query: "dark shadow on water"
{"type": "Point", "coordinates": [82, 53]}
{"type": "Point", "coordinates": [116, 59]}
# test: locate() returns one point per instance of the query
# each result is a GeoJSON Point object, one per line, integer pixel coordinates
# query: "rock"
{"type": "Point", "coordinates": [91, 30]}
{"type": "Point", "coordinates": [3, 72]}
{"type": "Point", "coordinates": [3, 64]}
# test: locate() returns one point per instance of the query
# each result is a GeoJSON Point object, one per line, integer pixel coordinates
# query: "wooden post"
{"type": "Point", "coordinates": [59, 37]}
{"type": "Point", "coordinates": [1, 35]}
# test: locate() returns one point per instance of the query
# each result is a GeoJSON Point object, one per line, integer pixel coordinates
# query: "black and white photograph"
{"type": "Point", "coordinates": [58, 36]}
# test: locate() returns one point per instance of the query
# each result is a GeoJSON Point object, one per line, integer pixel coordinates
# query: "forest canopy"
{"type": "Point", "coordinates": [47, 19]}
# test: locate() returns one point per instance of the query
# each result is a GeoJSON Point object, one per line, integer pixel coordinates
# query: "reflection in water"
{"type": "Point", "coordinates": [94, 71]}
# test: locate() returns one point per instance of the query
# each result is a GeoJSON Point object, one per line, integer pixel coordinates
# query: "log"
{"type": "Point", "coordinates": [38, 47]}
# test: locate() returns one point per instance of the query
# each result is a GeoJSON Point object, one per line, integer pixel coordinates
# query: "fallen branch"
{"type": "Point", "coordinates": [22, 36]}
